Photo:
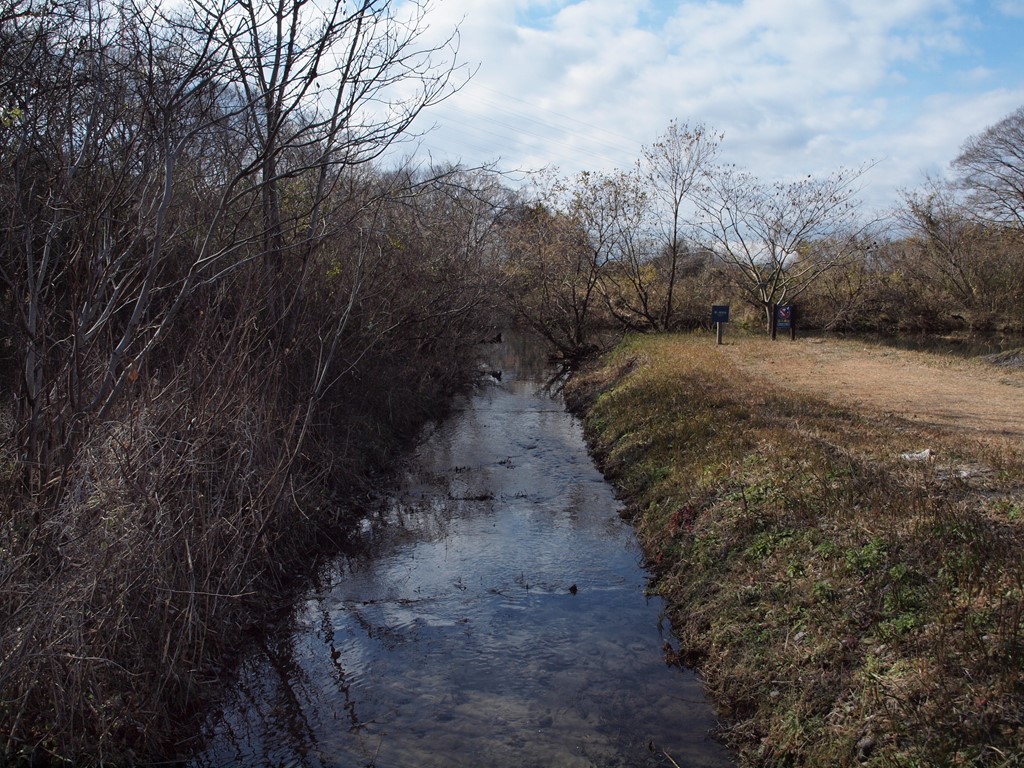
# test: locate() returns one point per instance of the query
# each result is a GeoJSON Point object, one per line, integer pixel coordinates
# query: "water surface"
{"type": "Point", "coordinates": [492, 612]}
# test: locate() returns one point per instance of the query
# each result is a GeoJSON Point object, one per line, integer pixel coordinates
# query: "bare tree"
{"type": "Point", "coordinates": [553, 266]}
{"type": "Point", "coordinates": [318, 86]}
{"type": "Point", "coordinates": [250, 111]}
{"type": "Point", "coordinates": [673, 166]}
{"type": "Point", "coordinates": [614, 212]}
{"type": "Point", "coordinates": [991, 168]}
{"type": "Point", "coordinates": [761, 230]}
{"type": "Point", "coordinates": [946, 238]}
{"type": "Point", "coordinates": [974, 265]}
{"type": "Point", "coordinates": [611, 211]}
{"type": "Point", "coordinates": [82, 212]}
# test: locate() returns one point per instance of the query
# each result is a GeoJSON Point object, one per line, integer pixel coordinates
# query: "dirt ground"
{"type": "Point", "coordinates": [969, 396]}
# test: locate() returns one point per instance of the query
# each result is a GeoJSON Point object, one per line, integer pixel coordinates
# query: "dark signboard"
{"type": "Point", "coordinates": [784, 317]}
{"type": "Point", "coordinates": [720, 313]}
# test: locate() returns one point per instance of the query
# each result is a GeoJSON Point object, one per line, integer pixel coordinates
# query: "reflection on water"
{"type": "Point", "coordinates": [493, 613]}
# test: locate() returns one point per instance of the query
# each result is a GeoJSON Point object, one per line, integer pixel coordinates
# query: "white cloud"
{"type": "Point", "coordinates": [930, 140]}
{"type": "Point", "coordinates": [797, 86]}
{"type": "Point", "coordinates": [1013, 8]}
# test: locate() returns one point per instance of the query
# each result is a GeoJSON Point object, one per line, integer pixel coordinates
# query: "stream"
{"type": "Point", "coordinates": [490, 612]}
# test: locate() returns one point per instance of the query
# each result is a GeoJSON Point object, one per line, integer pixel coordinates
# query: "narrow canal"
{"type": "Point", "coordinates": [492, 612]}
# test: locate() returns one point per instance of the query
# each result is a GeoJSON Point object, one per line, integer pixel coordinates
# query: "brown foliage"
{"type": "Point", "coordinates": [221, 318]}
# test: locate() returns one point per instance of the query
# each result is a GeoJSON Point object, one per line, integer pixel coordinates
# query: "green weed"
{"type": "Point", "coordinates": [800, 556]}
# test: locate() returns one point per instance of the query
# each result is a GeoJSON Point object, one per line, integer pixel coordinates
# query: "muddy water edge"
{"type": "Point", "coordinates": [491, 610]}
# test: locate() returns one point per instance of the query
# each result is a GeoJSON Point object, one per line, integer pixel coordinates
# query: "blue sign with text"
{"type": "Point", "coordinates": [784, 317]}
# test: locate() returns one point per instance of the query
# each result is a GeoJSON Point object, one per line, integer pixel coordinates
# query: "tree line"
{"type": "Point", "coordinates": [653, 247]}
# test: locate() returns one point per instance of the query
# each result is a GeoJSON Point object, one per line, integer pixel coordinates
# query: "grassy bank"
{"type": "Point", "coordinates": [846, 605]}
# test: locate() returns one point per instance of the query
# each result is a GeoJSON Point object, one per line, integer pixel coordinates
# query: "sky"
{"type": "Point", "coordinates": [797, 87]}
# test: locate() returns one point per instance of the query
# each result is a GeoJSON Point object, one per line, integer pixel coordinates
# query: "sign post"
{"type": "Point", "coordinates": [784, 320]}
{"type": "Point", "coordinates": [720, 316]}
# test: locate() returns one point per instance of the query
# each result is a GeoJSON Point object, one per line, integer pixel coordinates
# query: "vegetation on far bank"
{"type": "Point", "coordinates": [846, 605]}
{"type": "Point", "coordinates": [218, 317]}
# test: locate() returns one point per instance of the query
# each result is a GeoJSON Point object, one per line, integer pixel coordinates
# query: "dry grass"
{"type": "Point", "coordinates": [117, 606]}
{"type": "Point", "coordinates": [183, 525]}
{"type": "Point", "coordinates": [846, 606]}
{"type": "Point", "coordinates": [970, 395]}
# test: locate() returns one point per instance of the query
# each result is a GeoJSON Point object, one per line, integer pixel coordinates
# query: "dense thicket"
{"type": "Point", "coordinates": [217, 314]}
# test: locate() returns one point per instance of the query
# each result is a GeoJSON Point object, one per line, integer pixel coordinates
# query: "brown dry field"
{"type": "Point", "coordinates": [964, 396]}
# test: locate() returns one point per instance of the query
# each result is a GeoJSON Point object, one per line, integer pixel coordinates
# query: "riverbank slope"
{"type": "Point", "coordinates": [847, 574]}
